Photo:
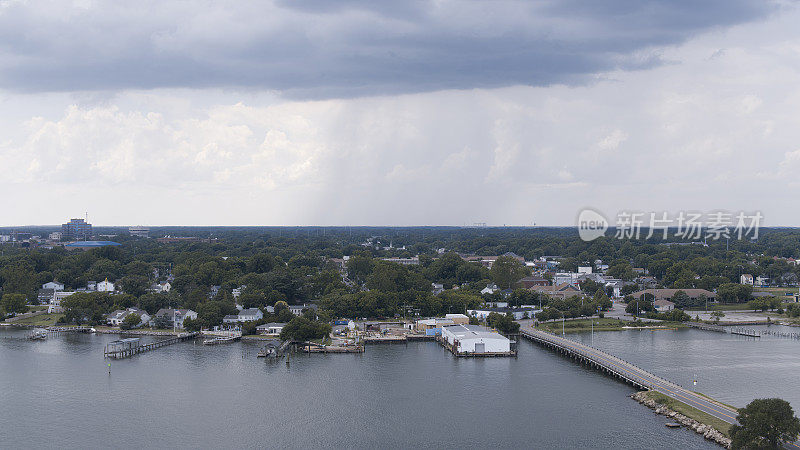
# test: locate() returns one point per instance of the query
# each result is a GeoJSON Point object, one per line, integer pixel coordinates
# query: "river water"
{"type": "Point", "coordinates": [58, 393]}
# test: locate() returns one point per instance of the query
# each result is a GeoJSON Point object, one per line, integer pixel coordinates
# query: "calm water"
{"type": "Point", "coordinates": [58, 393]}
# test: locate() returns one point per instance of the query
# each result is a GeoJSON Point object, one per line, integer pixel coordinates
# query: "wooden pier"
{"type": "Point", "coordinates": [80, 329]}
{"type": "Point", "coordinates": [720, 329]}
{"type": "Point", "coordinates": [387, 339]}
{"type": "Point", "coordinates": [125, 348]}
{"type": "Point", "coordinates": [310, 347]}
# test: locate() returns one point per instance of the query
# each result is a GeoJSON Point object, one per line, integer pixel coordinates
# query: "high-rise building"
{"type": "Point", "coordinates": [76, 229]}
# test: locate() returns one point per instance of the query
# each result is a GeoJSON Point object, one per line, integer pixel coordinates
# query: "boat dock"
{"type": "Point", "coordinates": [127, 347]}
{"type": "Point", "coordinates": [720, 329]}
{"type": "Point", "coordinates": [311, 347]}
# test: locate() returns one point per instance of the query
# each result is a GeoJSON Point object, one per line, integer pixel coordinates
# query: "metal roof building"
{"type": "Point", "coordinates": [475, 339]}
{"type": "Point", "coordinates": [90, 244]}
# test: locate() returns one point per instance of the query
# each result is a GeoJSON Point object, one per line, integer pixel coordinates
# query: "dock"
{"type": "Point", "coordinates": [720, 329]}
{"type": "Point", "coordinates": [313, 347]}
{"type": "Point", "coordinates": [386, 339]}
{"type": "Point", "coordinates": [127, 347]}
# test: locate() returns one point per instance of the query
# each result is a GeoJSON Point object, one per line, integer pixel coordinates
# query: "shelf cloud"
{"type": "Point", "coordinates": [321, 49]}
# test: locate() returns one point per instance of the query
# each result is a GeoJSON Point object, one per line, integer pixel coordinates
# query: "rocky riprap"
{"type": "Point", "coordinates": [707, 431]}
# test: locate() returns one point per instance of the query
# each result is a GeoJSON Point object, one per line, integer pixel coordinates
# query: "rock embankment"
{"type": "Point", "coordinates": [707, 431]}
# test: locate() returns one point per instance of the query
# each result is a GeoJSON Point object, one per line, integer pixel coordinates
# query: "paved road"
{"type": "Point", "coordinates": [642, 377]}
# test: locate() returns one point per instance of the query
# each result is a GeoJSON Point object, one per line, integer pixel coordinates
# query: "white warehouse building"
{"type": "Point", "coordinates": [475, 339]}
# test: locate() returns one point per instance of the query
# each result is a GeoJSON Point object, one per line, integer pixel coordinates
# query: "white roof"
{"type": "Point", "coordinates": [473, 332]}
{"type": "Point", "coordinates": [456, 316]}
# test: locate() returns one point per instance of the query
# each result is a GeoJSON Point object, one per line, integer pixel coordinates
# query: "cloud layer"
{"type": "Point", "coordinates": [323, 49]}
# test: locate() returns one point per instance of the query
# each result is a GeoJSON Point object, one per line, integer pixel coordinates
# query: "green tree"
{"type": "Point", "coordinates": [681, 299]}
{"type": "Point", "coordinates": [303, 329]}
{"type": "Point", "coordinates": [717, 314]}
{"type": "Point", "coordinates": [13, 303]}
{"type": "Point", "coordinates": [765, 423]}
{"type": "Point", "coordinates": [130, 321]}
{"type": "Point", "coordinates": [502, 323]}
{"type": "Point", "coordinates": [506, 271]}
{"type": "Point", "coordinates": [135, 285]}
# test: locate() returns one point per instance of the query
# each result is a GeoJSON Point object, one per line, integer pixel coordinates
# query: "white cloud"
{"type": "Point", "coordinates": [700, 133]}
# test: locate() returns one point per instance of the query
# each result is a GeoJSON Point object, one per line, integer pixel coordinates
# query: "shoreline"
{"type": "Point", "coordinates": [707, 431]}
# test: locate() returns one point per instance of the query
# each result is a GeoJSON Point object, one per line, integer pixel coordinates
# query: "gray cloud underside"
{"type": "Point", "coordinates": [319, 49]}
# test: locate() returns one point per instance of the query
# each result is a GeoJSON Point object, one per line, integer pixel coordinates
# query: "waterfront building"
{"type": "Point", "coordinates": [270, 329]}
{"type": "Point", "coordinates": [475, 339]}
{"type": "Point", "coordinates": [116, 318]}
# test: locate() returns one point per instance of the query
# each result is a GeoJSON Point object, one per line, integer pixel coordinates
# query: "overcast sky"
{"type": "Point", "coordinates": [366, 112]}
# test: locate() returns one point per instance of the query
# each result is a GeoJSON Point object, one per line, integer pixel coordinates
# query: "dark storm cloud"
{"type": "Point", "coordinates": [319, 49]}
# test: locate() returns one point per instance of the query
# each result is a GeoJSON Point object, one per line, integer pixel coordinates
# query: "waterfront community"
{"type": "Point", "coordinates": [339, 293]}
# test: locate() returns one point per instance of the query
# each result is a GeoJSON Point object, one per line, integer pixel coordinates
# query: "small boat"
{"type": "Point", "coordinates": [672, 425]}
{"type": "Point", "coordinates": [37, 334]}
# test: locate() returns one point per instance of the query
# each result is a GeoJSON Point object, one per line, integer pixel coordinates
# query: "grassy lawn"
{"type": "Point", "coordinates": [42, 320]}
{"type": "Point", "coordinates": [778, 291]}
{"type": "Point", "coordinates": [713, 399]}
{"type": "Point", "coordinates": [574, 326]}
{"type": "Point", "coordinates": [688, 411]}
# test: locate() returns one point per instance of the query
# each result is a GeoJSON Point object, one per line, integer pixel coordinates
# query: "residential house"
{"type": "Point", "coordinates": [161, 287]}
{"type": "Point", "coordinates": [534, 280]}
{"type": "Point", "coordinates": [54, 286]}
{"type": "Point", "coordinates": [562, 291]}
{"type": "Point", "coordinates": [105, 286]}
{"type": "Point", "coordinates": [175, 316]}
{"type": "Point", "coordinates": [116, 318]}
{"type": "Point", "coordinates": [664, 305]}
{"type": "Point", "coordinates": [489, 289]}
{"type": "Point", "coordinates": [746, 278]}
{"type": "Point", "coordinates": [231, 318]}
{"type": "Point", "coordinates": [250, 314]}
{"type": "Point", "coordinates": [236, 292]}
{"type": "Point", "coordinates": [297, 310]}
{"type": "Point", "coordinates": [761, 281]}
{"type": "Point", "coordinates": [437, 288]}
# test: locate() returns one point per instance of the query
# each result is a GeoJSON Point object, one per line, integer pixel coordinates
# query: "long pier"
{"type": "Point", "coordinates": [125, 348]}
{"type": "Point", "coordinates": [629, 373]}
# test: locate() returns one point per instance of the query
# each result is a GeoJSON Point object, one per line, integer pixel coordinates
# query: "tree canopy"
{"type": "Point", "coordinates": [765, 423]}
